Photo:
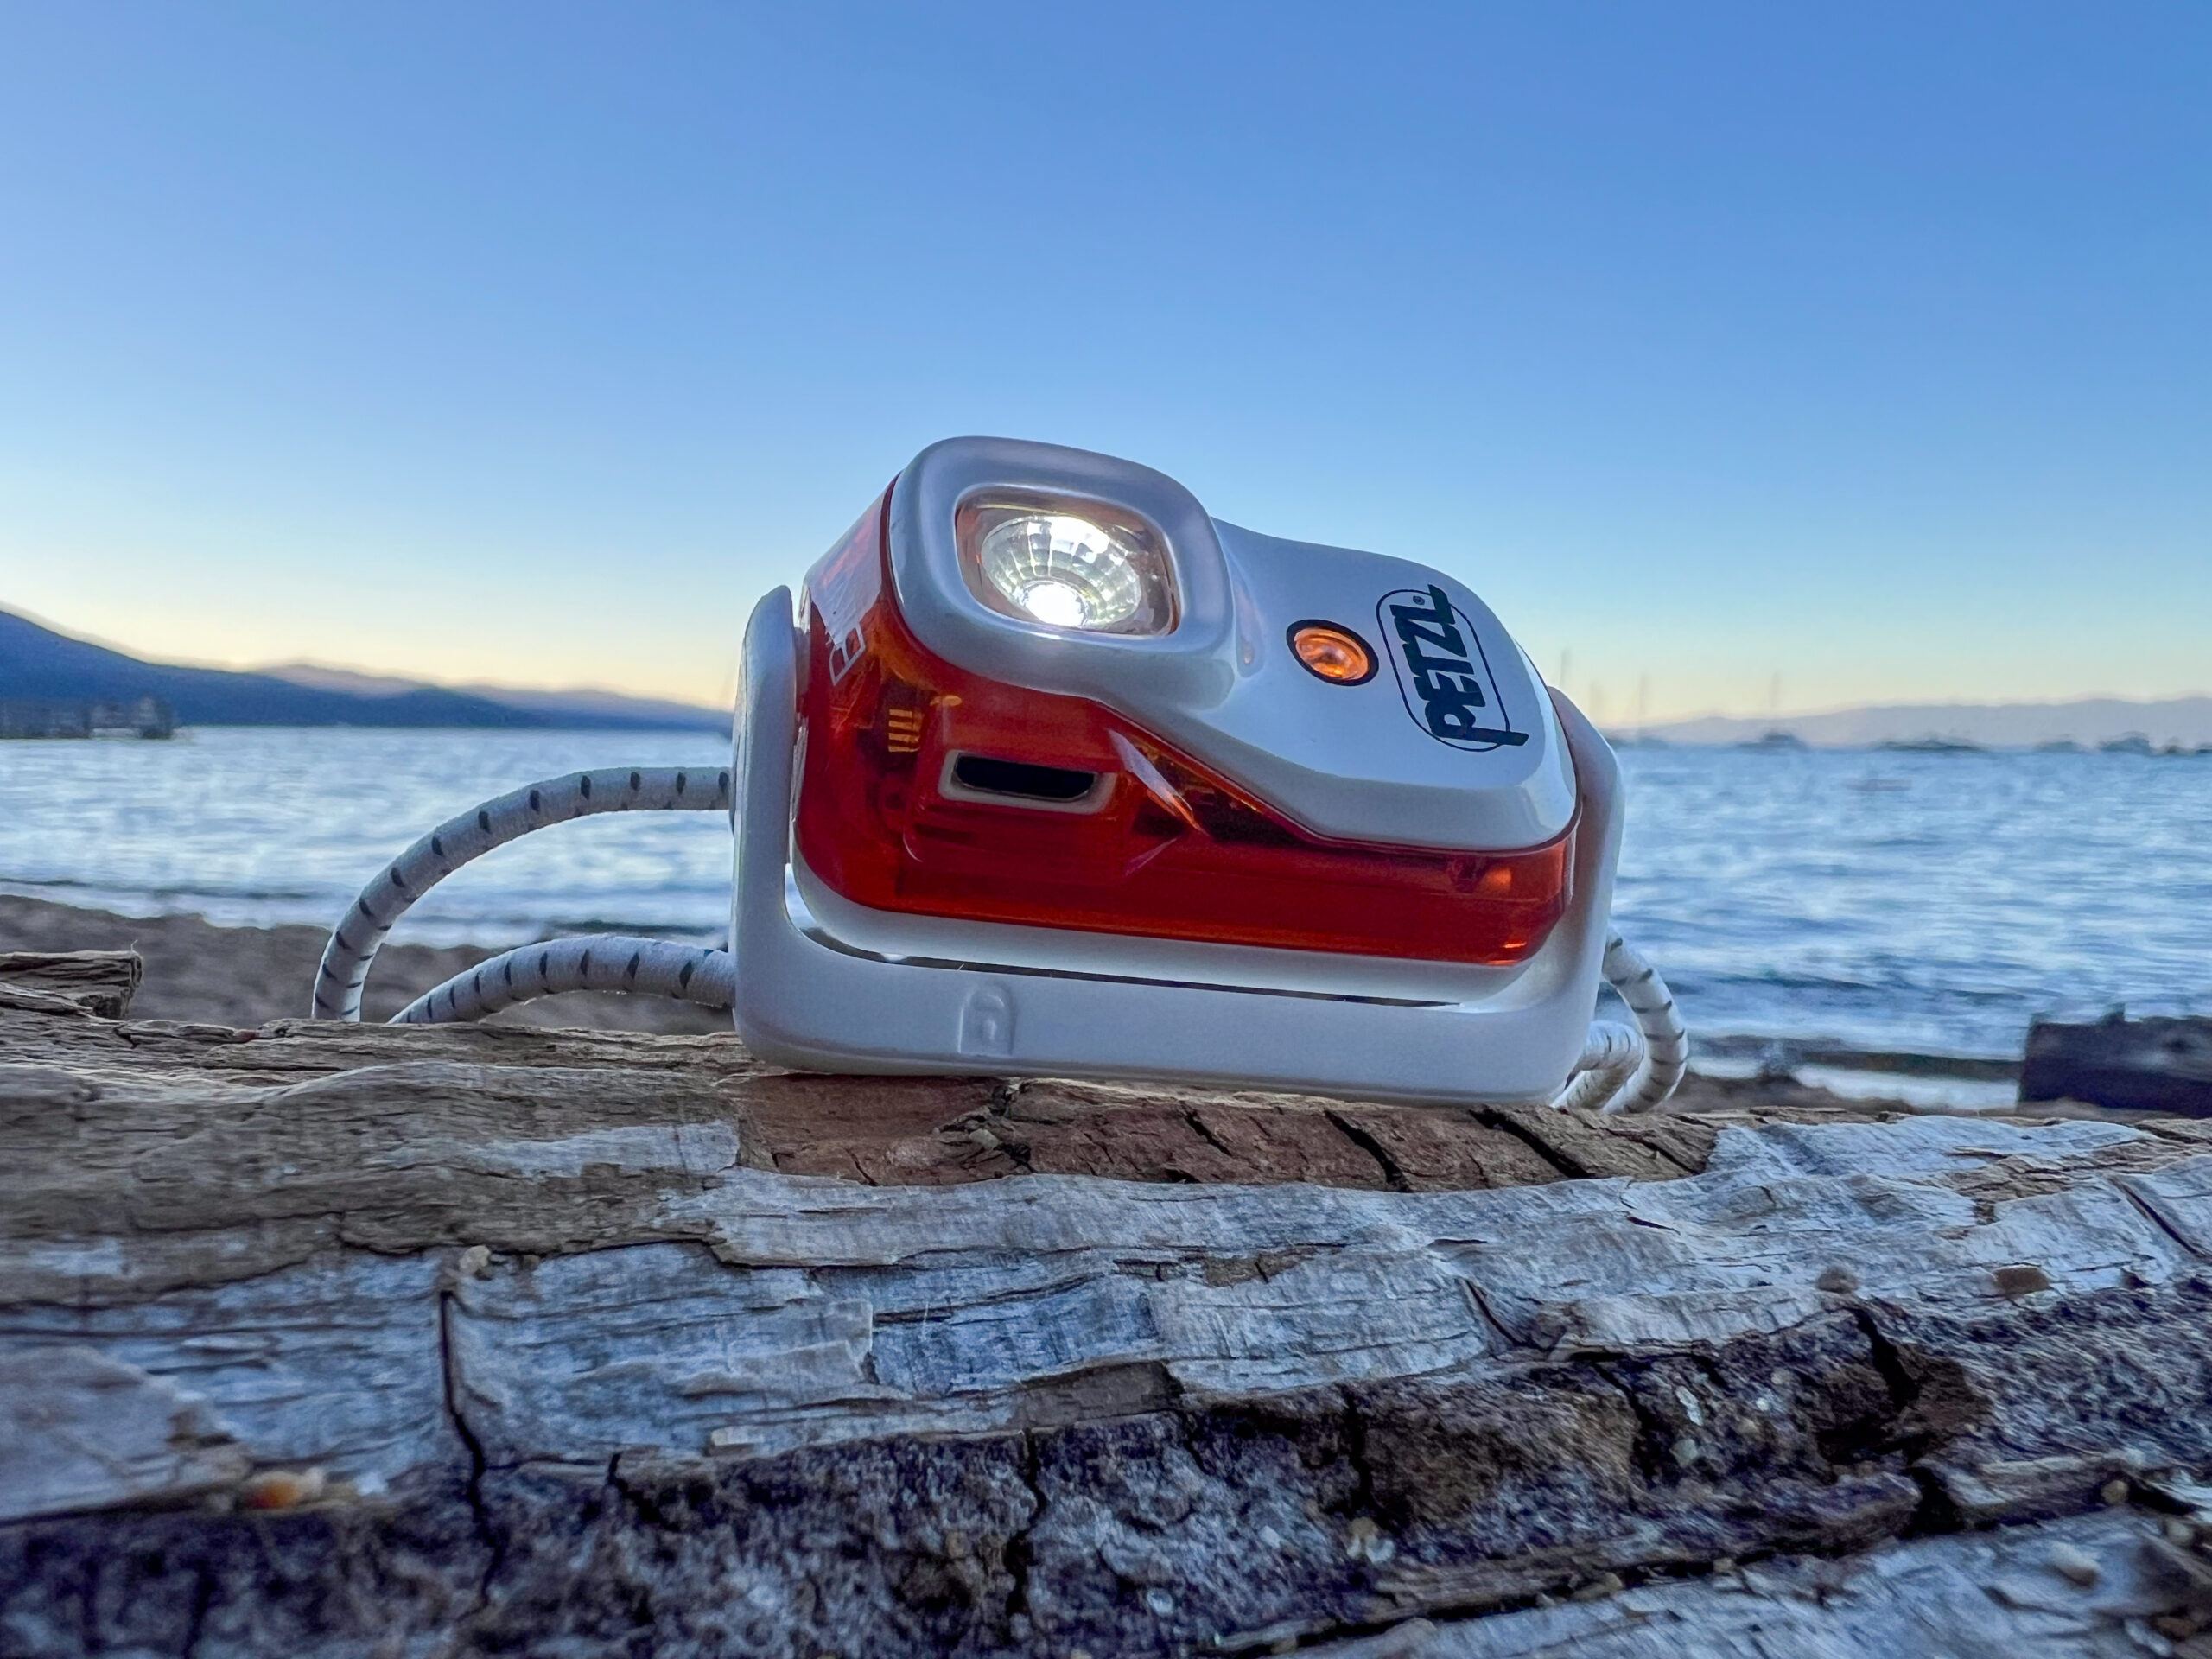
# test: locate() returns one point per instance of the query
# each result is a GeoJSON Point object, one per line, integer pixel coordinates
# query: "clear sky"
{"type": "Point", "coordinates": [1866, 345]}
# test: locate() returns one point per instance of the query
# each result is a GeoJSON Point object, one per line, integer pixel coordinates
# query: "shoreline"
{"type": "Point", "coordinates": [251, 963]}
{"type": "Point", "coordinates": [200, 972]}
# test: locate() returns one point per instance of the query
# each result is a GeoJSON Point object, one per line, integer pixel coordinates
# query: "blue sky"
{"type": "Point", "coordinates": [1866, 346]}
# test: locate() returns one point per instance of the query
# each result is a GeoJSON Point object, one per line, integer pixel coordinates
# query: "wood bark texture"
{"type": "Point", "coordinates": [369, 1341]}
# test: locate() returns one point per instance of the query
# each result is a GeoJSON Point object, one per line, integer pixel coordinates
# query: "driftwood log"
{"type": "Point", "coordinates": [375, 1341]}
{"type": "Point", "coordinates": [2158, 1065]}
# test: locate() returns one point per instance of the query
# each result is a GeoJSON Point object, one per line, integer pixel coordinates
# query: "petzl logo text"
{"type": "Point", "coordinates": [1446, 683]}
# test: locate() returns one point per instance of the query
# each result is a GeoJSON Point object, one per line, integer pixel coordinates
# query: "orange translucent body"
{"type": "Point", "coordinates": [1157, 845]}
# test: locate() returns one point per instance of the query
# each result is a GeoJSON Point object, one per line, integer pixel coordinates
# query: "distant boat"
{"type": "Point", "coordinates": [2133, 743]}
{"type": "Point", "coordinates": [46, 717]}
{"type": "Point", "coordinates": [1873, 784]}
{"type": "Point", "coordinates": [1775, 743]}
{"type": "Point", "coordinates": [1931, 745]}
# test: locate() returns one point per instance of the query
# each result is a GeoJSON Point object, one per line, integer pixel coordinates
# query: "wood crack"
{"type": "Point", "coordinates": [1374, 1148]}
{"type": "Point", "coordinates": [488, 1535]}
{"type": "Point", "coordinates": [1507, 1123]}
{"type": "Point", "coordinates": [2151, 1213]}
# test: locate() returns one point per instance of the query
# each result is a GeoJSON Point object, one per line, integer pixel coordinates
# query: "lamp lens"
{"type": "Point", "coordinates": [1063, 571]}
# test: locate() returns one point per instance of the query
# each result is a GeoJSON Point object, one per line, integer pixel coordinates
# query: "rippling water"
{"type": "Point", "coordinates": [1930, 902]}
{"type": "Point", "coordinates": [254, 825]}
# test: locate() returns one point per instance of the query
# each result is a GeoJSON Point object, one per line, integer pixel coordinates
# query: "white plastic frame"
{"type": "Point", "coordinates": [804, 999]}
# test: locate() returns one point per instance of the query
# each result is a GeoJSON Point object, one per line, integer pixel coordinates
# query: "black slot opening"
{"type": "Point", "coordinates": [982, 773]}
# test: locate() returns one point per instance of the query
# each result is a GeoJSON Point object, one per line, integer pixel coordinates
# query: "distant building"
{"type": "Point", "coordinates": [50, 717]}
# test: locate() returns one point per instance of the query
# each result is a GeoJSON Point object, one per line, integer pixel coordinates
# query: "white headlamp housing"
{"type": "Point", "coordinates": [1448, 750]}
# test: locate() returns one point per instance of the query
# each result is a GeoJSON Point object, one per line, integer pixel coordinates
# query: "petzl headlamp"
{"type": "Point", "coordinates": [1052, 772]}
{"type": "Point", "coordinates": [1046, 771]}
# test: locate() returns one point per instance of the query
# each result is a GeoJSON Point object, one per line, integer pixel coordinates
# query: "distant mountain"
{"type": "Point", "coordinates": [583, 701]}
{"type": "Point", "coordinates": [2187, 720]}
{"type": "Point", "coordinates": [572, 706]}
{"type": "Point", "coordinates": [39, 664]}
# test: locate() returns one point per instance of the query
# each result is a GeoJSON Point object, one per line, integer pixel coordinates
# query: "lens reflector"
{"type": "Point", "coordinates": [1336, 654]}
{"type": "Point", "coordinates": [1040, 562]}
{"type": "Point", "coordinates": [1063, 571]}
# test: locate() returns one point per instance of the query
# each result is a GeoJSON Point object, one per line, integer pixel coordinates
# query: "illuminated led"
{"type": "Point", "coordinates": [1063, 571]}
{"type": "Point", "coordinates": [1060, 603]}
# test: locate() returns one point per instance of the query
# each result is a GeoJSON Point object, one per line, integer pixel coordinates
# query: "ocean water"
{"type": "Point", "coordinates": [1929, 902]}
{"type": "Point", "coordinates": [252, 826]}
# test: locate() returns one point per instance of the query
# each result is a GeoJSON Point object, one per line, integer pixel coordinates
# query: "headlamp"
{"type": "Point", "coordinates": [1050, 771]}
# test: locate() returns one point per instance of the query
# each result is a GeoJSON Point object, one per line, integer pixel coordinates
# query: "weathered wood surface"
{"type": "Point", "coordinates": [100, 982]}
{"type": "Point", "coordinates": [2160, 1065]}
{"type": "Point", "coordinates": [2112, 1585]}
{"type": "Point", "coordinates": [373, 1341]}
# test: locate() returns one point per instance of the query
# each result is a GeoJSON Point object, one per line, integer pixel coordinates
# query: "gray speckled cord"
{"type": "Point", "coordinates": [1624, 1070]}
{"type": "Point", "coordinates": [1608, 1058]}
{"type": "Point", "coordinates": [354, 942]}
{"type": "Point", "coordinates": [608, 962]}
{"type": "Point", "coordinates": [1666, 1044]}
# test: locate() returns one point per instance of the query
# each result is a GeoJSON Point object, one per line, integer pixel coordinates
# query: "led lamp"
{"type": "Point", "coordinates": [1048, 772]}
{"type": "Point", "coordinates": [1115, 787]}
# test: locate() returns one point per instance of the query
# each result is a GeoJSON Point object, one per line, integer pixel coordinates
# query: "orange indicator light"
{"type": "Point", "coordinates": [1336, 654]}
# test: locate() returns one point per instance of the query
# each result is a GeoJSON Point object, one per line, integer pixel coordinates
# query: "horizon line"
{"type": "Point", "coordinates": [270, 668]}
